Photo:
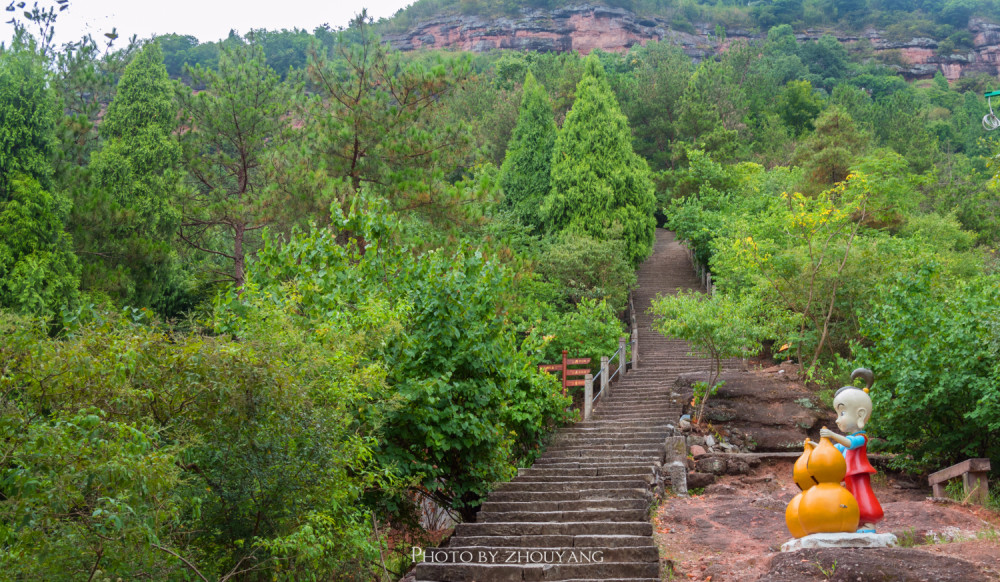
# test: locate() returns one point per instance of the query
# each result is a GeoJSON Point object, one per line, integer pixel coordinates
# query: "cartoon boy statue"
{"type": "Point", "coordinates": [854, 408]}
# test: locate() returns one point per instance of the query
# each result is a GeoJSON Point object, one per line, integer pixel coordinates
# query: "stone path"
{"type": "Point", "coordinates": [581, 512]}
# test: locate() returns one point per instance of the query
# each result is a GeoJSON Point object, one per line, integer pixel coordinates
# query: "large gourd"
{"type": "Point", "coordinates": [824, 506]}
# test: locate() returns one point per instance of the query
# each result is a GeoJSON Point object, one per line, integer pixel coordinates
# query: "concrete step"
{"type": "Point", "coordinates": [555, 541]}
{"type": "Point", "coordinates": [647, 478]}
{"type": "Point", "coordinates": [571, 505]}
{"type": "Point", "coordinates": [581, 528]}
{"type": "Point", "coordinates": [578, 451]}
{"type": "Point", "coordinates": [607, 514]}
{"type": "Point", "coordinates": [516, 573]}
{"type": "Point", "coordinates": [571, 495]}
{"type": "Point", "coordinates": [593, 471]}
{"type": "Point", "coordinates": [525, 484]}
{"type": "Point", "coordinates": [501, 554]}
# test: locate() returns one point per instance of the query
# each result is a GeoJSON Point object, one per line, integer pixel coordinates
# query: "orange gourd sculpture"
{"type": "Point", "coordinates": [824, 506]}
{"type": "Point", "coordinates": [800, 473]}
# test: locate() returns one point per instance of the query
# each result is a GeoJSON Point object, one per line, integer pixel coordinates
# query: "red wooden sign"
{"type": "Point", "coordinates": [566, 371]}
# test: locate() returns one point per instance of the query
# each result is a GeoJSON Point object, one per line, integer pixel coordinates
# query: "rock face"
{"type": "Point", "coordinates": [766, 410]}
{"type": "Point", "coordinates": [587, 27]}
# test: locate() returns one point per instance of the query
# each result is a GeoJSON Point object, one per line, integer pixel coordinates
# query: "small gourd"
{"type": "Point", "coordinates": [800, 473]}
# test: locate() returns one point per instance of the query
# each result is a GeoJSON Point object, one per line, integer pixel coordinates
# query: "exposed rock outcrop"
{"type": "Point", "coordinates": [587, 27]}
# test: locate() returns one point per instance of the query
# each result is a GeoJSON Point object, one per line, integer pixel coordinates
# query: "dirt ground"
{"type": "Point", "coordinates": [733, 532]}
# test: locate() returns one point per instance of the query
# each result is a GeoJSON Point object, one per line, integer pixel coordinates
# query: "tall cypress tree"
{"type": "Point", "coordinates": [127, 220]}
{"type": "Point", "coordinates": [600, 186]}
{"type": "Point", "coordinates": [525, 173]}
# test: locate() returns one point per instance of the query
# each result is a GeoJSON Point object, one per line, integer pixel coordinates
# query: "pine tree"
{"type": "Point", "coordinates": [526, 170]}
{"type": "Point", "coordinates": [827, 156]}
{"type": "Point", "coordinates": [599, 185]}
{"type": "Point", "coordinates": [127, 219]}
{"type": "Point", "coordinates": [232, 133]}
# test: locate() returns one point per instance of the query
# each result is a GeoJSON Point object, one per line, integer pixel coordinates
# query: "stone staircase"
{"type": "Point", "coordinates": [582, 511]}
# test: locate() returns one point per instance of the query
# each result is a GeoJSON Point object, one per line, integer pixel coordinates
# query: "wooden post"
{"type": "Point", "coordinates": [564, 372]}
{"type": "Point", "coordinates": [635, 349]}
{"type": "Point", "coordinates": [605, 386]}
{"type": "Point", "coordinates": [588, 396]}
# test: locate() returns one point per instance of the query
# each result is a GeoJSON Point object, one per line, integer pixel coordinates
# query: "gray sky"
{"type": "Point", "coordinates": [208, 20]}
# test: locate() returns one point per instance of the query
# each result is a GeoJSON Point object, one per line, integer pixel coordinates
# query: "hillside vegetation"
{"type": "Point", "coordinates": [265, 312]}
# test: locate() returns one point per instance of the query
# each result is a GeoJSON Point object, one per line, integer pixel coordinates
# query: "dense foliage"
{"type": "Point", "coordinates": [264, 301]}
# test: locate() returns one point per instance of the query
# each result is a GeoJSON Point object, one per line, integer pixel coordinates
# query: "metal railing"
{"type": "Point", "coordinates": [606, 376]}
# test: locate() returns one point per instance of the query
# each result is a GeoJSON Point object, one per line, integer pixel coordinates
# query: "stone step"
{"type": "Point", "coordinates": [653, 448]}
{"type": "Point", "coordinates": [570, 495]}
{"type": "Point", "coordinates": [490, 553]}
{"type": "Point", "coordinates": [633, 426]}
{"type": "Point", "coordinates": [607, 459]}
{"type": "Point", "coordinates": [571, 505]}
{"type": "Point", "coordinates": [582, 528]}
{"type": "Point", "coordinates": [628, 413]}
{"type": "Point", "coordinates": [516, 573]}
{"type": "Point", "coordinates": [623, 470]}
{"type": "Point", "coordinates": [527, 485]}
{"type": "Point", "coordinates": [555, 541]}
{"type": "Point", "coordinates": [607, 514]}
{"type": "Point", "coordinates": [647, 478]}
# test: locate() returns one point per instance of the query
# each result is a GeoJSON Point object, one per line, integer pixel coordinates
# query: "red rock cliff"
{"type": "Point", "coordinates": [584, 28]}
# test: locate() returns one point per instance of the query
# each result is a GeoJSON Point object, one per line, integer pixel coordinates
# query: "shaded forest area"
{"type": "Point", "coordinates": [258, 306]}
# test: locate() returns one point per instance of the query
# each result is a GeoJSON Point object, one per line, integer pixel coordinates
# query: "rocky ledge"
{"type": "Point", "coordinates": [587, 27]}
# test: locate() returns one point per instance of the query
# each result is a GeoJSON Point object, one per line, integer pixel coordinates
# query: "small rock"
{"type": "Point", "coordinates": [737, 467]}
{"type": "Point", "coordinates": [719, 489]}
{"type": "Point", "coordinates": [710, 440]}
{"type": "Point", "coordinates": [698, 451]}
{"type": "Point", "coordinates": [699, 480]}
{"type": "Point", "coordinates": [727, 447]}
{"type": "Point", "coordinates": [695, 440]}
{"type": "Point", "coordinates": [684, 424]}
{"type": "Point", "coordinates": [755, 480]}
{"type": "Point", "coordinates": [713, 465]}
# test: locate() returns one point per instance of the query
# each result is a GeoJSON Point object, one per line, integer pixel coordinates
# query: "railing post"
{"type": "Point", "coordinates": [588, 396]}
{"type": "Point", "coordinates": [605, 384]}
{"type": "Point", "coordinates": [635, 349]}
{"type": "Point", "coordinates": [621, 357]}
{"type": "Point", "coordinates": [564, 372]}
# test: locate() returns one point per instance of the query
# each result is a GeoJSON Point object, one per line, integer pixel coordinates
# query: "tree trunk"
{"type": "Point", "coordinates": [238, 256]}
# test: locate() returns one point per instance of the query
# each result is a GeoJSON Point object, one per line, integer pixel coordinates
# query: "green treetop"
{"type": "Point", "coordinates": [38, 271]}
{"type": "Point", "coordinates": [526, 170]}
{"type": "Point", "coordinates": [599, 185]}
{"type": "Point", "coordinates": [127, 220]}
{"type": "Point", "coordinates": [28, 114]}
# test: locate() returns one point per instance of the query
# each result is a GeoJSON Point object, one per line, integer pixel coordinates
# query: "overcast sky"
{"type": "Point", "coordinates": [208, 20]}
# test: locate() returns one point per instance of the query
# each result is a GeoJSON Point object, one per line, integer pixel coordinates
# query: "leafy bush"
{"type": "Point", "coordinates": [591, 330]}
{"type": "Point", "coordinates": [718, 327]}
{"type": "Point", "coordinates": [932, 341]}
{"type": "Point", "coordinates": [580, 267]}
{"type": "Point", "coordinates": [466, 405]}
{"type": "Point", "coordinates": [137, 451]}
